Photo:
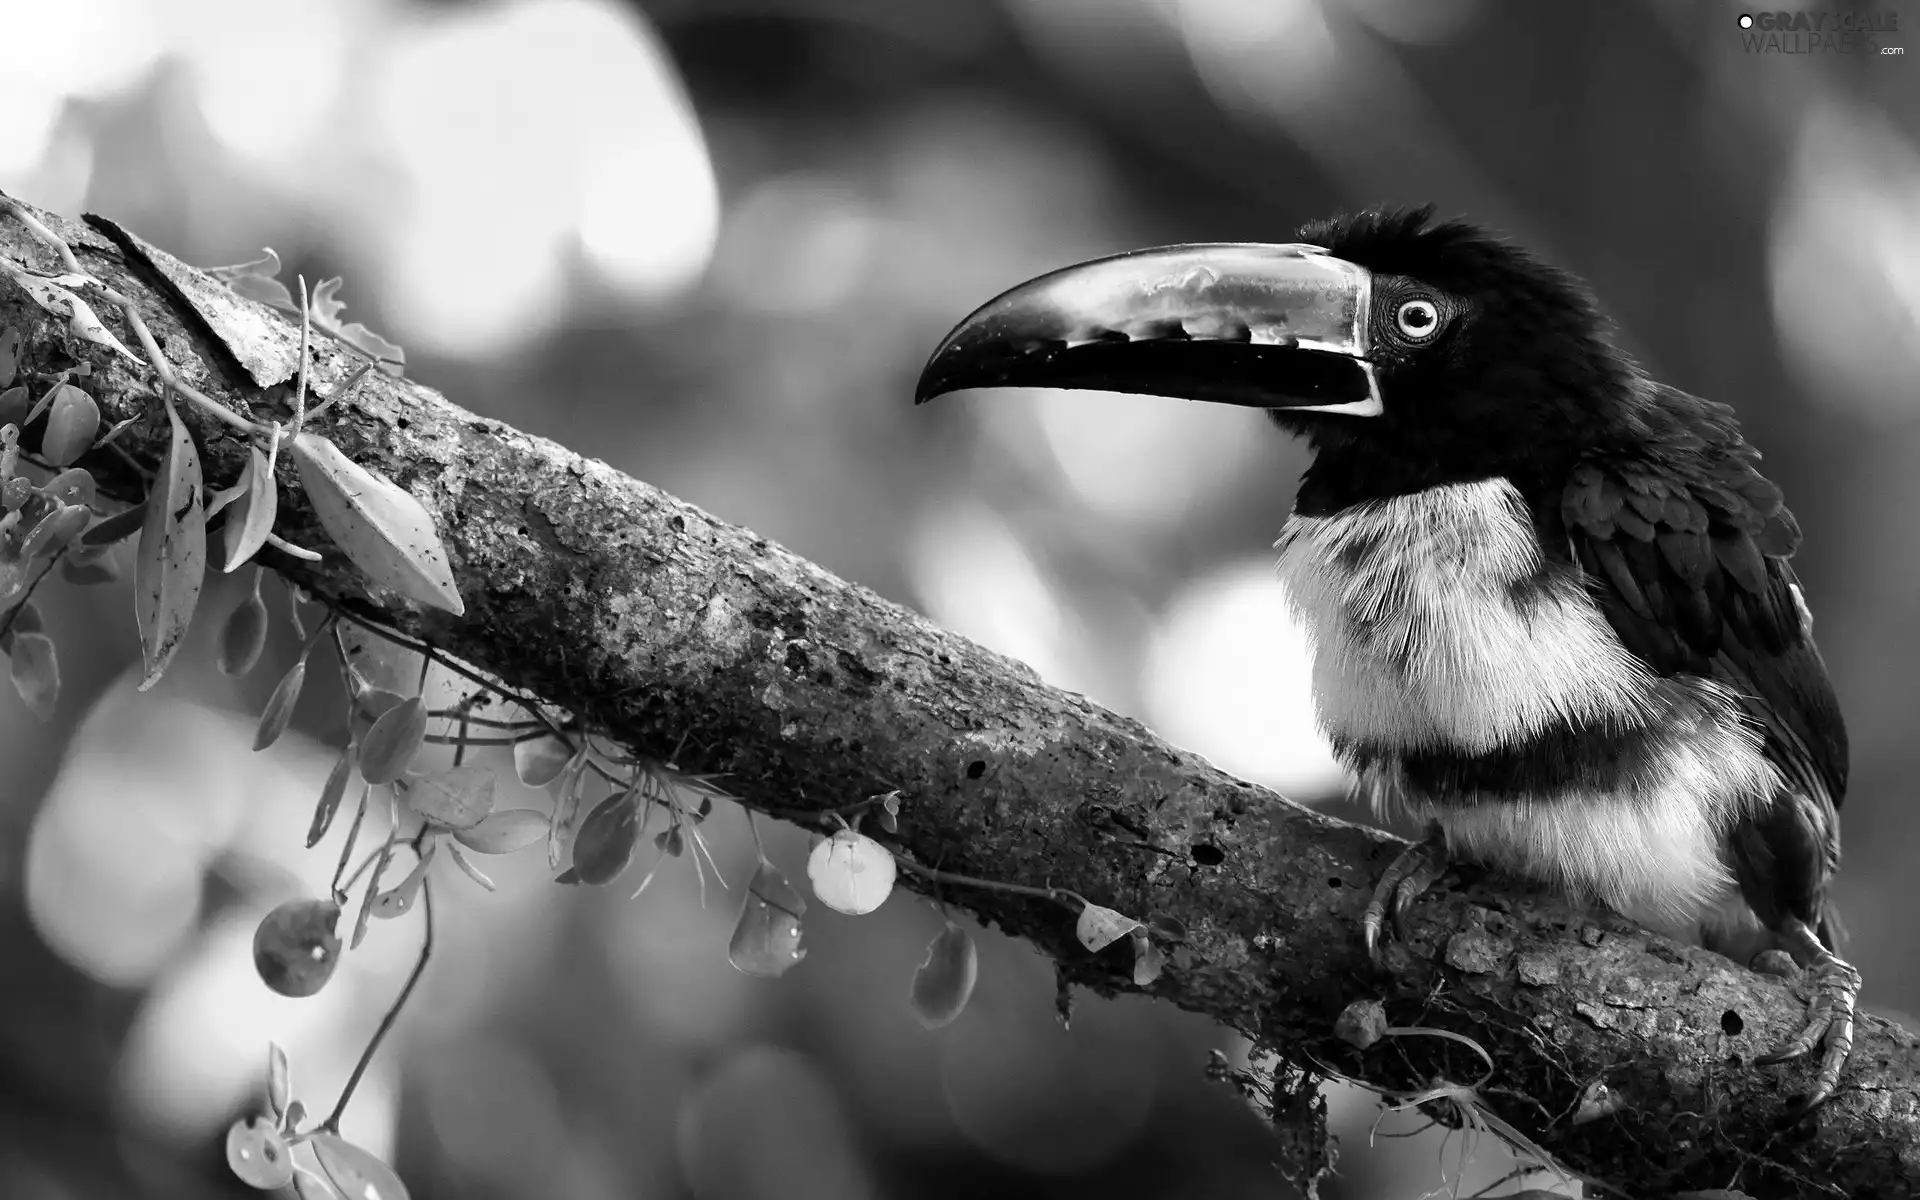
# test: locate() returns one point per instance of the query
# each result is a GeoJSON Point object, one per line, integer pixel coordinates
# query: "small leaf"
{"type": "Point", "coordinates": [851, 872]}
{"type": "Point", "coordinates": [255, 280]}
{"type": "Point", "coordinates": [173, 553]}
{"type": "Point", "coordinates": [253, 513]}
{"type": "Point", "coordinates": [16, 492]}
{"type": "Point", "coordinates": [397, 901]}
{"type": "Point", "coordinates": [1100, 927]}
{"type": "Point", "coordinates": [280, 705]}
{"type": "Point", "coordinates": [504, 832]}
{"type": "Point", "coordinates": [36, 673]}
{"type": "Point", "coordinates": [79, 316]}
{"type": "Point", "coordinates": [1148, 961]}
{"type": "Point", "coordinates": [243, 635]}
{"type": "Point", "coordinates": [53, 531]}
{"type": "Point", "coordinates": [15, 404]}
{"type": "Point", "coordinates": [465, 864]}
{"type": "Point", "coordinates": [279, 1079]}
{"type": "Point", "coordinates": [86, 324]}
{"type": "Point", "coordinates": [369, 706]}
{"type": "Point", "coordinates": [267, 266]}
{"type": "Point", "coordinates": [356, 1173]}
{"type": "Point", "coordinates": [566, 805]}
{"type": "Point", "coordinates": [373, 890]}
{"type": "Point", "coordinates": [71, 426]}
{"type": "Point", "coordinates": [459, 798]}
{"type": "Point", "coordinates": [943, 983]}
{"type": "Point", "coordinates": [607, 837]}
{"type": "Point", "coordinates": [330, 796]}
{"type": "Point", "coordinates": [393, 741]}
{"type": "Point", "coordinates": [258, 1155]}
{"type": "Point", "coordinates": [766, 938]}
{"type": "Point", "coordinates": [10, 340]}
{"type": "Point", "coordinates": [326, 315]}
{"type": "Point", "coordinates": [539, 761]}
{"type": "Point", "coordinates": [387, 533]}
{"type": "Point", "coordinates": [74, 485]}
{"type": "Point", "coordinates": [46, 401]}
{"type": "Point", "coordinates": [293, 1118]}
{"type": "Point", "coordinates": [117, 527]}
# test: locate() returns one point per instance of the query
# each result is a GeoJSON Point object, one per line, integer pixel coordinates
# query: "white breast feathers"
{"type": "Point", "coordinates": [1428, 627]}
{"type": "Point", "coordinates": [1438, 632]}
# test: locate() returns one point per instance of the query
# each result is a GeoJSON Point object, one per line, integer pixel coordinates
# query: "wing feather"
{"type": "Point", "coordinates": [1686, 547]}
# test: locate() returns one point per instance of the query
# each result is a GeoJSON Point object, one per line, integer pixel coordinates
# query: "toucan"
{"type": "Point", "coordinates": [1549, 599]}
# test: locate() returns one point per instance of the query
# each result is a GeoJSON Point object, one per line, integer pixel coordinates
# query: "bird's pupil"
{"type": "Point", "coordinates": [1418, 316]}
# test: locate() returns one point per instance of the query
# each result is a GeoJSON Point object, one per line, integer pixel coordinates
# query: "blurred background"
{"type": "Point", "coordinates": [712, 241]}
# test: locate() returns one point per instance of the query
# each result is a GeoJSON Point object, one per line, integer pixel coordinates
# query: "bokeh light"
{"type": "Point", "coordinates": [1229, 674]}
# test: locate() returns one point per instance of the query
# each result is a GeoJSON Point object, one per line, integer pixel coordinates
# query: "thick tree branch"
{"type": "Point", "coordinates": [658, 621]}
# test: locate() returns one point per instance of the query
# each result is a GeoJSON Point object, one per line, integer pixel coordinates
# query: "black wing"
{"type": "Point", "coordinates": [1687, 544]}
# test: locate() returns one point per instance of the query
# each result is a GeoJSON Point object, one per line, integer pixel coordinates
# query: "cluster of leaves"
{"type": "Point", "coordinates": [604, 801]}
{"type": "Point", "coordinates": [50, 518]}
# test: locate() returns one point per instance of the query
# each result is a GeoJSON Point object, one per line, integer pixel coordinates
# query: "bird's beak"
{"type": "Point", "coordinates": [1235, 323]}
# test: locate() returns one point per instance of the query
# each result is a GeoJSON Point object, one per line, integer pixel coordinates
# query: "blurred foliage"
{"type": "Point", "coordinates": [711, 241]}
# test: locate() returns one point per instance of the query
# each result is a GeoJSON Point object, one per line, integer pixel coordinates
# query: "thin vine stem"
{"type": "Point", "coordinates": [332, 1123]}
{"type": "Point", "coordinates": [935, 875]}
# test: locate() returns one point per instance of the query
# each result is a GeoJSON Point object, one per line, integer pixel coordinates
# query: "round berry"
{"type": "Point", "coordinates": [295, 949]}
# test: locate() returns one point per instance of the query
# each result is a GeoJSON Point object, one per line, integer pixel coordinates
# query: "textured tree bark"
{"type": "Point", "coordinates": [1628, 1057]}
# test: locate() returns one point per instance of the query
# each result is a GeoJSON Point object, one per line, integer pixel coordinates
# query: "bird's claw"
{"type": "Point", "coordinates": [1408, 876]}
{"type": "Point", "coordinates": [1830, 1017]}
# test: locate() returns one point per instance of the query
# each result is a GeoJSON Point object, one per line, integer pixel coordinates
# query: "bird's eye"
{"type": "Point", "coordinates": [1417, 320]}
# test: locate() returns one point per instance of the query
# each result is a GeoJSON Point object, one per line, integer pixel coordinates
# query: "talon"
{"type": "Point", "coordinates": [1408, 876]}
{"type": "Point", "coordinates": [1830, 1015]}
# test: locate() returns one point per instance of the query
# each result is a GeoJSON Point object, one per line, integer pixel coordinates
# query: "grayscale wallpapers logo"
{"type": "Point", "coordinates": [1853, 32]}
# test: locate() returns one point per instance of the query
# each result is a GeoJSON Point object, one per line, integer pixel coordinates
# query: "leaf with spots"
{"type": "Point", "coordinates": [393, 740]}
{"type": "Point", "coordinates": [766, 939]}
{"type": "Point", "coordinates": [1100, 927]}
{"type": "Point", "coordinates": [82, 321]}
{"type": "Point", "coordinates": [386, 533]}
{"type": "Point", "coordinates": [173, 553]}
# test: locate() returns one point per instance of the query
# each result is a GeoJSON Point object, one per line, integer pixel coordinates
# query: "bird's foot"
{"type": "Point", "coordinates": [1836, 989]}
{"type": "Point", "coordinates": [1408, 876]}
